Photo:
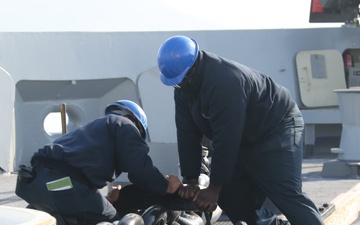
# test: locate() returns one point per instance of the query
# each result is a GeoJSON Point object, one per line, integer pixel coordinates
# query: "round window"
{"type": "Point", "coordinates": [53, 124]}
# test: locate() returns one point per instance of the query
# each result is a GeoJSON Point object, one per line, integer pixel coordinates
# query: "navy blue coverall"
{"type": "Point", "coordinates": [256, 131]}
{"type": "Point", "coordinates": [90, 156]}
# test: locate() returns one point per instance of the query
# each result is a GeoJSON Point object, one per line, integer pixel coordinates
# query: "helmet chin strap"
{"type": "Point", "coordinates": [136, 123]}
{"type": "Point", "coordinates": [130, 116]}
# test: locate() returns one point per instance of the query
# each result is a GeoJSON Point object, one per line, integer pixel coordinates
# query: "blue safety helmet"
{"type": "Point", "coordinates": [131, 108]}
{"type": "Point", "coordinates": [175, 58]}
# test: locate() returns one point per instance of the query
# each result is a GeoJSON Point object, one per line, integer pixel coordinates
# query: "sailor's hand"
{"type": "Point", "coordinates": [206, 199]}
{"type": "Point", "coordinates": [174, 184]}
{"type": "Point", "coordinates": [189, 191]}
{"type": "Point", "coordinates": [113, 194]}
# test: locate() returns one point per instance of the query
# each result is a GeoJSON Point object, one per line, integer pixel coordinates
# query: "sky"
{"type": "Point", "coordinates": [154, 15]}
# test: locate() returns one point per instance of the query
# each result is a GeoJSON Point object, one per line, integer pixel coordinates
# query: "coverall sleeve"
{"type": "Point", "coordinates": [189, 138]}
{"type": "Point", "coordinates": [132, 157]}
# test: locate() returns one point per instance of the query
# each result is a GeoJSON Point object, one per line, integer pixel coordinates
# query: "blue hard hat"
{"type": "Point", "coordinates": [134, 110]}
{"type": "Point", "coordinates": [175, 58]}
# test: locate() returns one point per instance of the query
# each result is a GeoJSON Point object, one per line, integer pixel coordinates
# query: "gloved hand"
{"type": "Point", "coordinates": [206, 199]}
{"type": "Point", "coordinates": [174, 184]}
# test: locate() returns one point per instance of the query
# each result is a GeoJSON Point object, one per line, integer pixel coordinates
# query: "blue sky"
{"type": "Point", "coordinates": [154, 15]}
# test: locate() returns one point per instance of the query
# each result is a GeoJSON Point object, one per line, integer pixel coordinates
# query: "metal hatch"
{"type": "Point", "coordinates": [319, 73]}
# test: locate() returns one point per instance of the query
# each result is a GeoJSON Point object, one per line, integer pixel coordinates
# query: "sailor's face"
{"type": "Point", "coordinates": [186, 81]}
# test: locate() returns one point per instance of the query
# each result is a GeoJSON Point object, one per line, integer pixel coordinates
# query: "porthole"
{"type": "Point", "coordinates": [53, 124]}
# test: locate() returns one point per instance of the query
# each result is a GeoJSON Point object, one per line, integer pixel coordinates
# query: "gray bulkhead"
{"type": "Point", "coordinates": [88, 70]}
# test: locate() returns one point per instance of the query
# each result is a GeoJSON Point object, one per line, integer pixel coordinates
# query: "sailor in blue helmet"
{"type": "Point", "coordinates": [256, 130]}
{"type": "Point", "coordinates": [67, 173]}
